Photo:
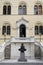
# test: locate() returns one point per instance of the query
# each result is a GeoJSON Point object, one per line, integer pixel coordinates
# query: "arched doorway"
{"type": "Point", "coordinates": [7, 52]}
{"type": "Point", "coordinates": [37, 52]}
{"type": "Point", "coordinates": [22, 30]}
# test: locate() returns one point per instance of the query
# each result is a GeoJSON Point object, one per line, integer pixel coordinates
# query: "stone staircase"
{"type": "Point", "coordinates": [15, 62]}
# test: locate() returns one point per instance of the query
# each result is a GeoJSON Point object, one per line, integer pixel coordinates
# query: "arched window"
{"type": "Point", "coordinates": [9, 9]}
{"type": "Point", "coordinates": [3, 30]}
{"type": "Point", "coordinates": [22, 30]}
{"type": "Point", "coordinates": [22, 9]}
{"type": "Point", "coordinates": [38, 29]}
{"type": "Point", "coordinates": [6, 29]}
{"type": "Point", "coordinates": [6, 9]}
{"type": "Point", "coordinates": [41, 29]}
{"type": "Point", "coordinates": [38, 9]}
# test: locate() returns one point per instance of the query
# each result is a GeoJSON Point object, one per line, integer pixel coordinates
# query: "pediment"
{"type": "Point", "coordinates": [22, 19]}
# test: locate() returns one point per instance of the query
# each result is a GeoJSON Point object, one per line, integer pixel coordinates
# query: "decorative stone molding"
{"type": "Point", "coordinates": [22, 21]}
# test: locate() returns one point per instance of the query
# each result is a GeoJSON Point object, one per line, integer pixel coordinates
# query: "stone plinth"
{"type": "Point", "coordinates": [22, 54]}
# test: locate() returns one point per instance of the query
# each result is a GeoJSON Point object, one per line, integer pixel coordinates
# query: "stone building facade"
{"type": "Point", "coordinates": [21, 21]}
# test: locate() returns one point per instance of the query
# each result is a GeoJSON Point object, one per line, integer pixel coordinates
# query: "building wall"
{"type": "Point", "coordinates": [14, 17]}
{"type": "Point", "coordinates": [13, 20]}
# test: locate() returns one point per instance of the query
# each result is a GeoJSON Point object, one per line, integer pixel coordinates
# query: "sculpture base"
{"type": "Point", "coordinates": [22, 60]}
{"type": "Point", "coordinates": [22, 57]}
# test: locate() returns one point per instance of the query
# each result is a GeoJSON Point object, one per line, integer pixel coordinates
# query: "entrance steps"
{"type": "Point", "coordinates": [16, 61]}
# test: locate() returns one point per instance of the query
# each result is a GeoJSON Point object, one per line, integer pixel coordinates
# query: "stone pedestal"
{"type": "Point", "coordinates": [22, 57]}
{"type": "Point", "coordinates": [22, 54]}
